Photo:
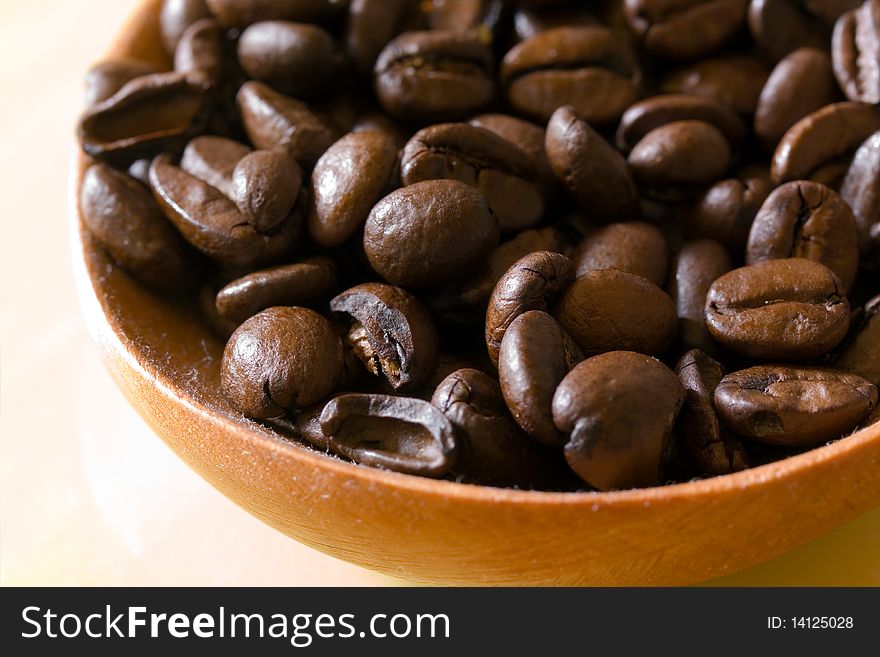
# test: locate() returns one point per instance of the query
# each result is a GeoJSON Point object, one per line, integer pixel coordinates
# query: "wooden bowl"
{"type": "Point", "coordinates": [167, 364]}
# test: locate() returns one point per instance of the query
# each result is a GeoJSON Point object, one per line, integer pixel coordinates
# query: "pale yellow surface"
{"type": "Point", "coordinates": [89, 495]}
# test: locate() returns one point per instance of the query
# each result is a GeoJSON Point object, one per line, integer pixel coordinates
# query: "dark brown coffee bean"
{"type": "Point", "coordinates": [308, 427]}
{"type": "Point", "coordinates": [529, 22]}
{"type": "Point", "coordinates": [531, 283]}
{"type": "Point", "coordinates": [855, 50]}
{"type": "Point", "coordinates": [347, 181]}
{"type": "Point", "coordinates": [612, 310]}
{"type": "Point", "coordinates": [696, 266]}
{"type": "Point", "coordinates": [265, 187]}
{"type": "Point", "coordinates": [241, 13]}
{"type": "Point", "coordinates": [712, 448]}
{"type": "Point", "coordinates": [861, 190]}
{"type": "Point", "coordinates": [280, 359]}
{"type": "Point", "coordinates": [106, 78]}
{"type": "Point", "coordinates": [684, 29]}
{"type": "Point", "coordinates": [678, 159]}
{"type": "Point", "coordinates": [212, 223]}
{"type": "Point", "coordinates": [800, 84]}
{"type": "Point", "coordinates": [428, 77]}
{"type": "Point", "coordinates": [492, 448]}
{"type": "Point", "coordinates": [150, 114]}
{"type": "Point", "coordinates": [535, 356]}
{"type": "Point", "coordinates": [782, 26]}
{"type": "Point", "coordinates": [828, 134]}
{"type": "Point", "coordinates": [651, 113]}
{"type": "Point", "coordinates": [634, 247]}
{"type": "Point", "coordinates": [295, 58]}
{"type": "Point", "coordinates": [122, 216]}
{"type": "Point", "coordinates": [806, 220]}
{"type": "Point", "coordinates": [861, 355]}
{"type": "Point", "coordinates": [394, 433]}
{"type": "Point", "coordinates": [791, 309]}
{"type": "Point", "coordinates": [587, 68]}
{"type": "Point", "coordinates": [271, 119]}
{"type": "Point", "coordinates": [201, 51]}
{"type": "Point", "coordinates": [733, 80]}
{"type": "Point", "coordinates": [372, 24]}
{"type": "Point", "coordinates": [213, 159]}
{"type": "Point", "coordinates": [177, 15]}
{"type": "Point", "coordinates": [619, 443]}
{"type": "Point", "coordinates": [726, 210]}
{"type": "Point", "coordinates": [465, 16]}
{"type": "Point", "coordinates": [591, 170]}
{"type": "Point", "coordinates": [794, 406]}
{"type": "Point", "coordinates": [477, 157]}
{"type": "Point", "coordinates": [391, 332]}
{"type": "Point", "coordinates": [299, 284]}
{"type": "Point", "coordinates": [430, 232]}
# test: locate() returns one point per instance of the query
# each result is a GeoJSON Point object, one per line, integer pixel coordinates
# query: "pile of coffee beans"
{"type": "Point", "coordinates": [549, 244]}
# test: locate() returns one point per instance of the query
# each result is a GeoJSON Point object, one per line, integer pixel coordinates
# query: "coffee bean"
{"type": "Point", "coordinates": [806, 220]}
{"type": "Point", "coordinates": [733, 80]}
{"type": "Point", "coordinates": [212, 159]}
{"type": "Point", "coordinates": [280, 359]}
{"type": "Point", "coordinates": [861, 355]}
{"type": "Point", "coordinates": [200, 50]}
{"type": "Point", "coordinates": [794, 406]}
{"type": "Point", "coordinates": [106, 78]}
{"type": "Point", "coordinates": [394, 433]}
{"type": "Point", "coordinates": [584, 67]}
{"type": "Point", "coordinates": [428, 77]}
{"type": "Point", "coordinates": [265, 187]}
{"type": "Point", "coordinates": [391, 332]}
{"type": "Point", "coordinates": [855, 50]}
{"type": "Point", "coordinates": [529, 22]}
{"type": "Point", "coordinates": [372, 24]}
{"type": "Point", "coordinates": [634, 247]}
{"type": "Point", "coordinates": [861, 190]}
{"type": "Point", "coordinates": [611, 310]}
{"type": "Point", "coordinates": [790, 309]}
{"type": "Point", "coordinates": [430, 232]}
{"type": "Point", "coordinates": [464, 16]}
{"type": "Point", "coordinates": [241, 13]}
{"type": "Point", "coordinates": [713, 449]}
{"type": "Point", "coordinates": [618, 410]}
{"type": "Point", "coordinates": [534, 357]}
{"type": "Point", "coordinates": [177, 15]}
{"type": "Point", "coordinates": [477, 157]}
{"type": "Point", "coordinates": [531, 283]}
{"type": "Point", "coordinates": [782, 26]}
{"type": "Point", "coordinates": [596, 175]}
{"type": "Point", "coordinates": [726, 210]}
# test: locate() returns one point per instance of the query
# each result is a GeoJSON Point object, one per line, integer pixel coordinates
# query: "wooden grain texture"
{"type": "Point", "coordinates": [167, 364]}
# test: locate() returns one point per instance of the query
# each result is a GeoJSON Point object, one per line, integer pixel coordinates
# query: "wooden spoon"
{"type": "Point", "coordinates": [167, 364]}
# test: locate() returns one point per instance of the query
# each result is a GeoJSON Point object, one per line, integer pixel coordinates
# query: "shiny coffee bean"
{"type": "Point", "coordinates": [861, 191]}
{"type": "Point", "coordinates": [200, 50]}
{"type": "Point", "coordinates": [782, 26]}
{"type": "Point", "coordinates": [106, 78]}
{"type": "Point", "coordinates": [861, 354]}
{"type": "Point", "coordinates": [212, 159]}
{"type": "Point", "coordinates": [634, 247]}
{"type": "Point", "coordinates": [465, 16]}
{"type": "Point", "coordinates": [177, 15]}
{"type": "Point", "coordinates": [265, 187]}
{"type": "Point", "coordinates": [733, 80]}
{"type": "Point", "coordinates": [793, 406]}
{"type": "Point", "coordinates": [372, 24]}
{"type": "Point", "coordinates": [529, 22]}
{"type": "Point", "coordinates": [855, 51]}
{"type": "Point", "coordinates": [241, 13]}
{"type": "Point", "coordinates": [619, 443]}
{"type": "Point", "coordinates": [790, 309]}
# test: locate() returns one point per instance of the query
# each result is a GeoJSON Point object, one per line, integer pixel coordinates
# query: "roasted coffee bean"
{"type": "Point", "coordinates": [212, 223]}
{"type": "Point", "coordinates": [861, 355]}
{"type": "Point", "coordinates": [428, 77]}
{"type": "Point", "coordinates": [177, 15]}
{"type": "Point", "coordinates": [651, 113]}
{"type": "Point", "coordinates": [200, 50]}
{"type": "Point", "coordinates": [265, 187]}
{"type": "Point", "coordinates": [800, 84]}
{"type": "Point", "coordinates": [295, 58]}
{"type": "Point", "coordinates": [696, 266]}
{"type": "Point", "coordinates": [347, 181]}
{"type": "Point", "coordinates": [726, 210]}
{"type": "Point", "coordinates": [394, 433]}
{"type": "Point", "coordinates": [477, 157]}
{"type": "Point", "coordinates": [618, 411]}
{"type": "Point", "coordinates": [241, 13]}
{"type": "Point", "coordinates": [492, 448]}
{"type": "Point", "coordinates": [782, 26]}
{"type": "Point", "coordinates": [680, 158]}
{"type": "Point", "coordinates": [861, 191]}
{"type": "Point", "coordinates": [793, 406]}
{"type": "Point", "coordinates": [634, 247]}
{"type": "Point", "coordinates": [587, 68]}
{"type": "Point", "coordinates": [427, 233]}
{"type": "Point", "coordinates": [733, 80]}
{"type": "Point", "coordinates": [712, 448]}
{"type": "Point", "coordinates": [122, 216]}
{"type": "Point", "coordinates": [106, 78]}
{"type": "Point", "coordinates": [150, 114]}
{"type": "Point", "coordinates": [272, 119]}
{"type": "Point", "coordinates": [299, 284]}
{"type": "Point", "coordinates": [828, 134]}
{"type": "Point", "coordinates": [806, 220]}
{"type": "Point", "coordinates": [531, 283]}
{"type": "Point", "coordinates": [212, 159]}
{"type": "Point", "coordinates": [280, 359]}
{"type": "Point", "coordinates": [391, 332]}
{"type": "Point", "coordinates": [529, 22]}
{"type": "Point", "coordinates": [372, 24]}
{"type": "Point", "coordinates": [464, 16]}
{"type": "Point", "coordinates": [684, 29]}
{"type": "Point", "coordinates": [596, 175]}
{"type": "Point", "coordinates": [535, 356]}
{"type": "Point", "coordinates": [856, 52]}
{"type": "Point", "coordinates": [308, 427]}
{"type": "Point", "coordinates": [790, 309]}
{"type": "Point", "coordinates": [610, 310]}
